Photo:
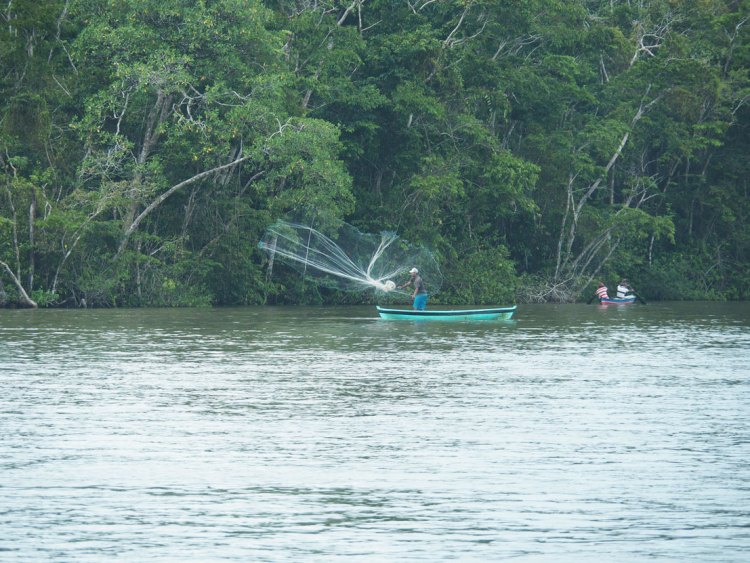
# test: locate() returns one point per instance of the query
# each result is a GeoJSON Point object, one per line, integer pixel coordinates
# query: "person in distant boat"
{"type": "Point", "coordinates": [624, 290]}
{"type": "Point", "coordinates": [420, 291]}
{"type": "Point", "coordinates": [601, 292]}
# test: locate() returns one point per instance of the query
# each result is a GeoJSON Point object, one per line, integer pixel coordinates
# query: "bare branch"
{"type": "Point", "coordinates": [648, 40]}
{"type": "Point", "coordinates": [356, 4]}
{"type": "Point", "coordinates": [514, 46]}
{"type": "Point", "coordinates": [63, 88]}
{"type": "Point", "coordinates": [425, 4]}
{"type": "Point", "coordinates": [122, 113]}
{"type": "Point", "coordinates": [28, 301]}
{"type": "Point", "coordinates": [732, 37]}
{"type": "Point", "coordinates": [159, 200]}
{"type": "Point", "coordinates": [447, 42]}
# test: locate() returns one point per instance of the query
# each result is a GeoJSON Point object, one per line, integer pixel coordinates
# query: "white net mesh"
{"type": "Point", "coordinates": [349, 260]}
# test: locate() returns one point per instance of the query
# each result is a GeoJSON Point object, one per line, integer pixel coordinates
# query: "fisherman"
{"type": "Point", "coordinates": [601, 292]}
{"type": "Point", "coordinates": [420, 291]}
{"type": "Point", "coordinates": [624, 290]}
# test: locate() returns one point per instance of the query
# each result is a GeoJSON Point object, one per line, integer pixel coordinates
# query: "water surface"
{"type": "Point", "coordinates": [574, 433]}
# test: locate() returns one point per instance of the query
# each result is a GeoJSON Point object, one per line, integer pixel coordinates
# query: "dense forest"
{"type": "Point", "coordinates": [535, 146]}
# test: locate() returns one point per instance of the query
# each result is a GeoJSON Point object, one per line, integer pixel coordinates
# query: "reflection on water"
{"type": "Point", "coordinates": [571, 433]}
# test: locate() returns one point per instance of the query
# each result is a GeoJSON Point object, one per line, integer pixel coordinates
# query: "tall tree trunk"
{"type": "Point", "coordinates": [150, 137]}
{"type": "Point", "coordinates": [32, 217]}
{"type": "Point", "coordinates": [271, 256]}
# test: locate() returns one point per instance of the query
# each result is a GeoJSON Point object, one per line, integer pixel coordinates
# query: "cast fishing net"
{"type": "Point", "coordinates": [346, 259]}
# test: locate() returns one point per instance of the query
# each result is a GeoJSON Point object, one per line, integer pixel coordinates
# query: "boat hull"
{"type": "Point", "coordinates": [615, 301]}
{"type": "Point", "coordinates": [494, 313]}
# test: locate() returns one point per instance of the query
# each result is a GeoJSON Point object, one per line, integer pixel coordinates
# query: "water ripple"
{"type": "Point", "coordinates": [284, 434]}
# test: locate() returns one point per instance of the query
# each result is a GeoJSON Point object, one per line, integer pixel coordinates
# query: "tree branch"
{"type": "Point", "coordinates": [24, 296]}
{"type": "Point", "coordinates": [447, 41]}
{"type": "Point", "coordinates": [159, 200]}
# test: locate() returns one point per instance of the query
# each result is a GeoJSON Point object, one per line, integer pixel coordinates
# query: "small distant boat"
{"type": "Point", "coordinates": [616, 301]}
{"type": "Point", "coordinates": [493, 313]}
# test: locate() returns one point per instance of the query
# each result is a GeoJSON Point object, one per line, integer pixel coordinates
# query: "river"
{"type": "Point", "coordinates": [572, 433]}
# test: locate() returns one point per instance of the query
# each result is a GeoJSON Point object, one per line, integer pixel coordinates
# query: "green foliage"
{"type": "Point", "coordinates": [530, 144]}
{"type": "Point", "coordinates": [44, 298]}
{"type": "Point", "coordinates": [688, 277]}
{"type": "Point", "coordinates": [484, 276]}
{"type": "Point", "coordinates": [302, 169]}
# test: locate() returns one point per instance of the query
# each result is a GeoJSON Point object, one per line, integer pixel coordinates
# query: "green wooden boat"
{"type": "Point", "coordinates": [503, 313]}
